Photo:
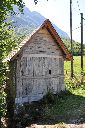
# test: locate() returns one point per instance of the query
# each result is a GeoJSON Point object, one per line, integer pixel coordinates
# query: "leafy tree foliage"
{"type": "Point", "coordinates": [8, 40]}
{"type": "Point", "coordinates": [7, 43]}
{"type": "Point", "coordinates": [76, 46]}
{"type": "Point", "coordinates": [6, 6]}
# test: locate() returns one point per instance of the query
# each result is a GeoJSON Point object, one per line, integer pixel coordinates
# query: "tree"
{"type": "Point", "coordinates": [8, 41]}
{"type": "Point", "coordinates": [6, 6]}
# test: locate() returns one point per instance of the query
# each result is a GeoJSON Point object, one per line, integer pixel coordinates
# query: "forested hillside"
{"type": "Point", "coordinates": [76, 46]}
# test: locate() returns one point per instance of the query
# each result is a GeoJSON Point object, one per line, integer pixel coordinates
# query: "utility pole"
{"type": "Point", "coordinates": [81, 43]}
{"type": "Point", "coordinates": [71, 37]}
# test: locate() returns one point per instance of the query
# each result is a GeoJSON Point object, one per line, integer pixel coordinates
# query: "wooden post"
{"type": "Point", "coordinates": [81, 43]}
{"type": "Point", "coordinates": [71, 37]}
{"type": "Point", "coordinates": [81, 47]}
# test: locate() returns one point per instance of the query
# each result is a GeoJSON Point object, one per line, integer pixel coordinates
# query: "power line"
{"type": "Point", "coordinates": [74, 8]}
{"type": "Point", "coordinates": [83, 18]}
{"type": "Point", "coordinates": [76, 28]}
{"type": "Point", "coordinates": [79, 9]}
{"type": "Point", "coordinates": [78, 6]}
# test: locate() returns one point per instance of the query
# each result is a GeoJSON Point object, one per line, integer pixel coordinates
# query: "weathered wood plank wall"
{"type": "Point", "coordinates": [39, 68]}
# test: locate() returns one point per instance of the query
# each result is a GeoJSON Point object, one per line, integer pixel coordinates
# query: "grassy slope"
{"type": "Point", "coordinates": [76, 64]}
{"type": "Point", "coordinates": [68, 108]}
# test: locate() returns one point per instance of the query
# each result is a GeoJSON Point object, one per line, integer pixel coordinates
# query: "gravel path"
{"type": "Point", "coordinates": [57, 126]}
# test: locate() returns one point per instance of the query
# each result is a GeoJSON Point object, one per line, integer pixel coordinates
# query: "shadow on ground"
{"type": "Point", "coordinates": [52, 109]}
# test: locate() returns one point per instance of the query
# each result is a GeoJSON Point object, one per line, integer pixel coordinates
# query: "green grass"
{"type": "Point", "coordinates": [68, 107]}
{"type": "Point", "coordinates": [76, 65]}
{"type": "Point", "coordinates": [78, 78]}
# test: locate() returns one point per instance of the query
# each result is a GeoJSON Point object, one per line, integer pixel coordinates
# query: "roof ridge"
{"type": "Point", "coordinates": [49, 26]}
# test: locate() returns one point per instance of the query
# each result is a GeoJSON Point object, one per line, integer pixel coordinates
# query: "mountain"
{"type": "Point", "coordinates": [28, 21]}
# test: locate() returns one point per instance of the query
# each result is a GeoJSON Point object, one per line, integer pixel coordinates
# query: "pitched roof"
{"type": "Point", "coordinates": [47, 24]}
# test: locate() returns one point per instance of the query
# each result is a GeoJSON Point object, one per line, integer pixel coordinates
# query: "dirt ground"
{"type": "Point", "coordinates": [57, 126]}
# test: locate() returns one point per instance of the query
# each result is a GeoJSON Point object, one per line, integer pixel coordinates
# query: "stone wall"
{"type": "Point", "coordinates": [39, 68]}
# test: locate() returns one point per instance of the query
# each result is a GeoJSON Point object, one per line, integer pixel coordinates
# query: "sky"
{"type": "Point", "coordinates": [58, 12]}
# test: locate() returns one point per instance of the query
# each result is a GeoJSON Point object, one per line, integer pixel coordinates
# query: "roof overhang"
{"type": "Point", "coordinates": [47, 24]}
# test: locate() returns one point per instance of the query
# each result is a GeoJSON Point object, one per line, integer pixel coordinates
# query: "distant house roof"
{"type": "Point", "coordinates": [47, 24]}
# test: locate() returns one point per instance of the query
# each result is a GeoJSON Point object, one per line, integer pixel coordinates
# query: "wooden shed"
{"type": "Point", "coordinates": [37, 65]}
